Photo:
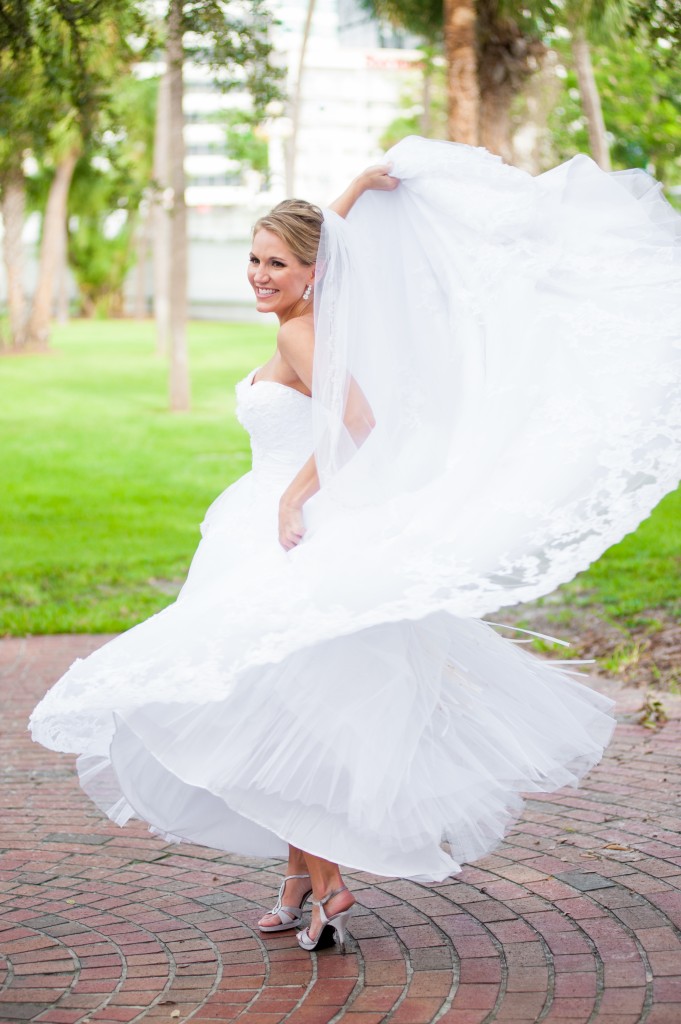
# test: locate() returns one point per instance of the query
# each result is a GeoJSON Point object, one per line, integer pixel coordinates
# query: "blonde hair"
{"type": "Point", "coordinates": [298, 224]}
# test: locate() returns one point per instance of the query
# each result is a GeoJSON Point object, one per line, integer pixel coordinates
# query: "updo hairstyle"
{"type": "Point", "coordinates": [298, 224]}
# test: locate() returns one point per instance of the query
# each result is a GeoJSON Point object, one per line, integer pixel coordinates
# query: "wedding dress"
{"type": "Point", "coordinates": [518, 340]}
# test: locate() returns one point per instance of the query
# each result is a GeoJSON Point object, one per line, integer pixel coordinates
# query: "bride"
{"type": "Point", "coordinates": [476, 389]}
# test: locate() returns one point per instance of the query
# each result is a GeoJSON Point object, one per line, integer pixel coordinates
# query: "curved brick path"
{"type": "Point", "coordinates": [574, 919]}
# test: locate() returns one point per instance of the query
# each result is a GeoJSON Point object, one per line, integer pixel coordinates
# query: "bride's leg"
{"type": "Point", "coordinates": [326, 878]}
{"type": "Point", "coordinates": [294, 890]}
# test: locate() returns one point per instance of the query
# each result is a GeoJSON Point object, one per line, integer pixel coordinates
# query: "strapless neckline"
{"type": "Point", "coordinates": [277, 384]}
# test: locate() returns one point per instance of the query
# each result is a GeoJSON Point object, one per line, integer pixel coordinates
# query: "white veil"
{"type": "Point", "coordinates": [519, 342]}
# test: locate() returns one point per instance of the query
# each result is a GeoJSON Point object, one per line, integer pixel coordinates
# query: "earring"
{"type": "Point", "coordinates": [308, 292]}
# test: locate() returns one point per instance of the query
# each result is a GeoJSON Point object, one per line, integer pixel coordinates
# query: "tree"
{"type": "Point", "coordinates": [25, 112]}
{"type": "Point", "coordinates": [58, 66]}
{"type": "Point", "coordinates": [657, 23]}
{"type": "Point", "coordinates": [38, 324]}
{"type": "Point", "coordinates": [462, 71]}
{"type": "Point", "coordinates": [13, 214]}
{"type": "Point", "coordinates": [17, 99]}
{"type": "Point", "coordinates": [160, 218]}
{"type": "Point", "coordinates": [590, 98]}
{"type": "Point", "coordinates": [592, 21]}
{"type": "Point", "coordinates": [292, 141]}
{"type": "Point", "coordinates": [237, 48]}
{"type": "Point", "coordinates": [491, 48]}
{"type": "Point", "coordinates": [510, 51]}
{"type": "Point", "coordinates": [452, 22]}
{"type": "Point", "coordinates": [510, 46]}
{"type": "Point", "coordinates": [108, 191]}
{"type": "Point", "coordinates": [641, 97]}
{"type": "Point", "coordinates": [177, 291]}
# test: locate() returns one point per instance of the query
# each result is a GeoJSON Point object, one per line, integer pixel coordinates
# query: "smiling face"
{"type": "Point", "coordinates": [277, 276]}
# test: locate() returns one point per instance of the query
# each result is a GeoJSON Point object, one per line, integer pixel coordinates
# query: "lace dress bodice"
{"type": "Point", "coordinates": [279, 422]}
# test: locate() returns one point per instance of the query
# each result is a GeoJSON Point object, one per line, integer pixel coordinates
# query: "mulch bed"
{"type": "Point", "coordinates": [645, 655]}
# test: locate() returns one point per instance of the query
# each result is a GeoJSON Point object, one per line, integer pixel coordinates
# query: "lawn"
{"type": "Point", "coordinates": [103, 489]}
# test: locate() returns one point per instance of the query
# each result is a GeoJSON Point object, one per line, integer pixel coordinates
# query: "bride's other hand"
{"type": "Point", "coordinates": [291, 526]}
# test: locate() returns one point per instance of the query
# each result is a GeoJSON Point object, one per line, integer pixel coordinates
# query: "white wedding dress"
{"type": "Point", "coordinates": [345, 696]}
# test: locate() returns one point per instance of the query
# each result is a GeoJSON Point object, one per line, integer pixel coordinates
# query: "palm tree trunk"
{"type": "Point", "coordinates": [426, 95]}
{"type": "Point", "coordinates": [591, 100]}
{"type": "Point", "coordinates": [495, 121]}
{"type": "Point", "coordinates": [61, 306]}
{"type": "Point", "coordinates": [160, 217]}
{"type": "Point", "coordinates": [292, 142]}
{"type": "Point", "coordinates": [38, 327]}
{"type": "Point", "coordinates": [141, 267]}
{"type": "Point", "coordinates": [462, 73]}
{"type": "Point", "coordinates": [13, 212]}
{"type": "Point", "coordinates": [177, 292]}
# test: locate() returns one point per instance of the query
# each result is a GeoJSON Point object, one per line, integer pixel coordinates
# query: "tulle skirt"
{"type": "Point", "coordinates": [400, 749]}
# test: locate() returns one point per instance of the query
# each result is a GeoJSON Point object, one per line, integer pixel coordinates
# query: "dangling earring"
{"type": "Point", "coordinates": [308, 292]}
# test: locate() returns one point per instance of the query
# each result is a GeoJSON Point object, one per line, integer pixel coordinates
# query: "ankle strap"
{"type": "Point", "coordinates": [329, 895]}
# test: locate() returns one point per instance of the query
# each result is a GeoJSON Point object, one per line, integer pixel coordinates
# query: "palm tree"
{"type": "Point", "coordinates": [463, 93]}
{"type": "Point", "coordinates": [508, 54]}
{"type": "Point", "coordinates": [160, 217]}
{"type": "Point", "coordinates": [488, 55]}
{"type": "Point", "coordinates": [180, 399]}
{"type": "Point", "coordinates": [491, 51]}
{"type": "Point", "coordinates": [230, 46]}
{"type": "Point", "coordinates": [591, 100]}
{"type": "Point", "coordinates": [51, 248]}
{"type": "Point", "coordinates": [292, 143]}
{"type": "Point", "coordinates": [13, 188]}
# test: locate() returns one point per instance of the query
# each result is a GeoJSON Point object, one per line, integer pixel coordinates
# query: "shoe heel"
{"type": "Point", "coordinates": [339, 922]}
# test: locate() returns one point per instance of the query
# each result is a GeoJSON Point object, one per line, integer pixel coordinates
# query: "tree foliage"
{"type": "Point", "coordinates": [641, 99]}
{"type": "Point", "coordinates": [233, 40]}
{"type": "Point", "coordinates": [68, 50]}
{"type": "Point", "coordinates": [109, 186]}
{"type": "Point", "coordinates": [659, 23]}
{"type": "Point", "coordinates": [60, 65]}
{"type": "Point", "coordinates": [505, 49]}
{"type": "Point", "coordinates": [426, 18]}
{"type": "Point", "coordinates": [422, 17]}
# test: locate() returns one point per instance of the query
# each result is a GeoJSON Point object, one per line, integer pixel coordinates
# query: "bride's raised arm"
{"type": "Point", "coordinates": [295, 342]}
{"type": "Point", "coordinates": [377, 177]}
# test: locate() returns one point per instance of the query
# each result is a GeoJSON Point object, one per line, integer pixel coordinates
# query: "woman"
{"type": "Point", "coordinates": [492, 392]}
{"type": "Point", "coordinates": [282, 277]}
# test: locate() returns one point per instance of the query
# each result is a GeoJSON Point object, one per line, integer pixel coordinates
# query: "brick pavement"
{"type": "Point", "coordinates": [574, 919]}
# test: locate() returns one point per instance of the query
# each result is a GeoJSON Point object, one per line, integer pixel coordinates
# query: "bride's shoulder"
{"type": "Point", "coordinates": [295, 345]}
{"type": "Point", "coordinates": [295, 334]}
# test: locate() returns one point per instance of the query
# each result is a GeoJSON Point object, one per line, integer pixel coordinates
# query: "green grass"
{"type": "Point", "coordinates": [639, 576]}
{"type": "Point", "coordinates": [103, 489]}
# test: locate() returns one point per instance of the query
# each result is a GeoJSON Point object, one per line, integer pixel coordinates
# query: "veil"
{"type": "Point", "coordinates": [519, 342]}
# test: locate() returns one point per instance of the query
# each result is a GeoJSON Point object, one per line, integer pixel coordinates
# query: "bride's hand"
{"type": "Point", "coordinates": [291, 526]}
{"type": "Point", "coordinates": [378, 177]}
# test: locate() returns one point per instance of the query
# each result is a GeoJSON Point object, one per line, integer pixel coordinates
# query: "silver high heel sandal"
{"type": "Point", "coordinates": [330, 925]}
{"type": "Point", "coordinates": [290, 917]}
